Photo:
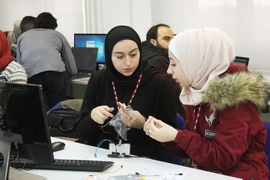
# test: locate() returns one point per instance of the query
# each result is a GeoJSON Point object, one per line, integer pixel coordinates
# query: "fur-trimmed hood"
{"type": "Point", "coordinates": [231, 89]}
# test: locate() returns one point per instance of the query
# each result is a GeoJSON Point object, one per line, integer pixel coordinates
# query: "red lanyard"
{"type": "Point", "coordinates": [196, 117]}
{"type": "Point", "coordinates": [133, 94]}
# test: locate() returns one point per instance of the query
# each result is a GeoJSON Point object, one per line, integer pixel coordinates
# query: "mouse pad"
{"type": "Point", "coordinates": [15, 174]}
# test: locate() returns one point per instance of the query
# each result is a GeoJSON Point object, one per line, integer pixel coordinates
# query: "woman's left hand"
{"type": "Point", "coordinates": [132, 118]}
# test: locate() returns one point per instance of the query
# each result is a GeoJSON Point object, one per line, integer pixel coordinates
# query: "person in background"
{"type": "Point", "coordinates": [129, 80]}
{"type": "Point", "coordinates": [15, 33]}
{"type": "Point", "coordinates": [224, 132]}
{"type": "Point", "coordinates": [47, 58]}
{"type": "Point", "coordinates": [12, 37]}
{"type": "Point", "coordinates": [155, 52]}
{"type": "Point", "coordinates": [10, 70]}
{"type": "Point", "coordinates": [27, 23]}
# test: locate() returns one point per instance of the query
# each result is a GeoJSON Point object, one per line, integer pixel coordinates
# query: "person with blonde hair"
{"type": "Point", "coordinates": [15, 33]}
{"type": "Point", "coordinates": [223, 132]}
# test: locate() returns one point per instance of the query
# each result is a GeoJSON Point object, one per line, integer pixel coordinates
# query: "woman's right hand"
{"type": "Point", "coordinates": [101, 113]}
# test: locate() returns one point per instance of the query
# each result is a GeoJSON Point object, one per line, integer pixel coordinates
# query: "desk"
{"type": "Point", "coordinates": [130, 165]}
{"type": "Point", "coordinates": [76, 88]}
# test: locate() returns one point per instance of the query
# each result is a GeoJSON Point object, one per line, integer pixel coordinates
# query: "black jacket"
{"type": "Point", "coordinates": [157, 103]}
{"type": "Point", "coordinates": [160, 61]}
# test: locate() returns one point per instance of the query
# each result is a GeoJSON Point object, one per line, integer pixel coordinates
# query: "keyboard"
{"type": "Point", "coordinates": [64, 164]}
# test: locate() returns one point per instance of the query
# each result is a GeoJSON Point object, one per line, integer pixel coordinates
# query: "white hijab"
{"type": "Point", "coordinates": [203, 54]}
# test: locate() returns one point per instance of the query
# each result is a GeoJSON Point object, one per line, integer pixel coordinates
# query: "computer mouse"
{"type": "Point", "coordinates": [58, 145]}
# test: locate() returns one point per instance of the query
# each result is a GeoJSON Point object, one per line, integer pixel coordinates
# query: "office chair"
{"type": "Point", "coordinates": [180, 125]}
{"type": "Point", "coordinates": [267, 147]}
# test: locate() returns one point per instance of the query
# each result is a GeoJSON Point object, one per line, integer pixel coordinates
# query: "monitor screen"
{"type": "Point", "coordinates": [85, 59]}
{"type": "Point", "coordinates": [91, 40]}
{"type": "Point", "coordinates": [23, 122]}
{"type": "Point", "coordinates": [241, 60]}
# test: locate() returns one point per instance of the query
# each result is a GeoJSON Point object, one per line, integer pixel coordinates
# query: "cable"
{"type": "Point", "coordinates": [107, 172]}
{"type": "Point", "coordinates": [100, 143]}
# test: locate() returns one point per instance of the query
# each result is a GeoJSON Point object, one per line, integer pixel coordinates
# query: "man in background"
{"type": "Point", "coordinates": [155, 52]}
{"type": "Point", "coordinates": [28, 22]}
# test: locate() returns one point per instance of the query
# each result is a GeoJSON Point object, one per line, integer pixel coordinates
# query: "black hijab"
{"type": "Point", "coordinates": [115, 35]}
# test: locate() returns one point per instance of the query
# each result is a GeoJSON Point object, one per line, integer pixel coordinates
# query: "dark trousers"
{"type": "Point", "coordinates": [53, 84]}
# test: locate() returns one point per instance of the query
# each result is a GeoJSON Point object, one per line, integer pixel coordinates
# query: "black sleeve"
{"type": "Point", "coordinates": [88, 127]}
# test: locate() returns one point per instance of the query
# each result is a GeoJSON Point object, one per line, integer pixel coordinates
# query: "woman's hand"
{"type": "Point", "coordinates": [101, 113]}
{"type": "Point", "coordinates": [159, 130]}
{"type": "Point", "coordinates": [132, 118]}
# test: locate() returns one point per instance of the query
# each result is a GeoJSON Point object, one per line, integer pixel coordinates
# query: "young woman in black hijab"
{"type": "Point", "coordinates": [128, 80]}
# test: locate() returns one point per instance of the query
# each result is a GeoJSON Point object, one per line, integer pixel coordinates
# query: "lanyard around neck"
{"type": "Point", "coordinates": [196, 117]}
{"type": "Point", "coordinates": [133, 94]}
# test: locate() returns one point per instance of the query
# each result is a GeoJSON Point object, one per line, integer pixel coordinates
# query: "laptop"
{"type": "Point", "coordinates": [86, 60]}
{"type": "Point", "coordinates": [24, 125]}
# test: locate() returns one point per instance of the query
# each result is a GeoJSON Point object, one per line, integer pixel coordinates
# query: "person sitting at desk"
{"type": "Point", "coordinates": [126, 79]}
{"type": "Point", "coordinates": [224, 132]}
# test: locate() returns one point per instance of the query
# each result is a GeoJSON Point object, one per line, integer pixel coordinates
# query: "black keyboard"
{"type": "Point", "coordinates": [64, 164]}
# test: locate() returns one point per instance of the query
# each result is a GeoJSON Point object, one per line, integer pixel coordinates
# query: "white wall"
{"type": "Point", "coordinates": [69, 14]}
{"type": "Point", "coordinates": [247, 22]}
{"type": "Point", "coordinates": [102, 15]}
{"type": "Point", "coordinates": [81, 16]}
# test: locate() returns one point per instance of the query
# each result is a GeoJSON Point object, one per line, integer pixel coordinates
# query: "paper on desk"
{"type": "Point", "coordinates": [15, 174]}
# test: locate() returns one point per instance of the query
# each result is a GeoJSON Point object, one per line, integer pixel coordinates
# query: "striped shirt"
{"type": "Point", "coordinates": [13, 72]}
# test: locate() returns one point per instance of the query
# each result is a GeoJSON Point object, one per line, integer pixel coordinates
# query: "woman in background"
{"type": "Point", "coordinates": [128, 80]}
{"type": "Point", "coordinates": [47, 58]}
{"type": "Point", "coordinates": [224, 132]}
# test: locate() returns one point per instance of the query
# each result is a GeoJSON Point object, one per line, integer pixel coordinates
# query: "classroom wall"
{"type": "Point", "coordinates": [69, 13]}
{"type": "Point", "coordinates": [245, 21]}
{"type": "Point", "coordinates": [81, 16]}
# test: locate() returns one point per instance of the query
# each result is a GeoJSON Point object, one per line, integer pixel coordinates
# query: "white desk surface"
{"type": "Point", "coordinates": [83, 81]}
{"type": "Point", "coordinates": [130, 166]}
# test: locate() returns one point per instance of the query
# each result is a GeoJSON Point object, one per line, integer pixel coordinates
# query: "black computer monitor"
{"type": "Point", "coordinates": [85, 59]}
{"type": "Point", "coordinates": [241, 60]}
{"type": "Point", "coordinates": [24, 124]}
{"type": "Point", "coordinates": [91, 40]}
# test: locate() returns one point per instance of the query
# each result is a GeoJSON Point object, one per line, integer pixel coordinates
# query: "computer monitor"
{"type": "Point", "coordinates": [91, 40]}
{"type": "Point", "coordinates": [85, 59]}
{"type": "Point", "coordinates": [24, 124]}
{"type": "Point", "coordinates": [241, 60]}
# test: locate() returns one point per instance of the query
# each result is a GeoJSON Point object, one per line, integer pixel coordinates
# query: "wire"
{"type": "Point", "coordinates": [151, 175]}
{"type": "Point", "coordinates": [100, 143]}
{"type": "Point", "coordinates": [107, 172]}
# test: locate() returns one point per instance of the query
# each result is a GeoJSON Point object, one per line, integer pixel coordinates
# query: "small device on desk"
{"type": "Point", "coordinates": [56, 146]}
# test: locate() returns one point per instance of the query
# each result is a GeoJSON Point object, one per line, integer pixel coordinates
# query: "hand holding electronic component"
{"type": "Point", "coordinates": [130, 117]}
{"type": "Point", "coordinates": [101, 113]}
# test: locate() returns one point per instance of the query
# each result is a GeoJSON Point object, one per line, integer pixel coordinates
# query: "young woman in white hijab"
{"type": "Point", "coordinates": [223, 131]}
